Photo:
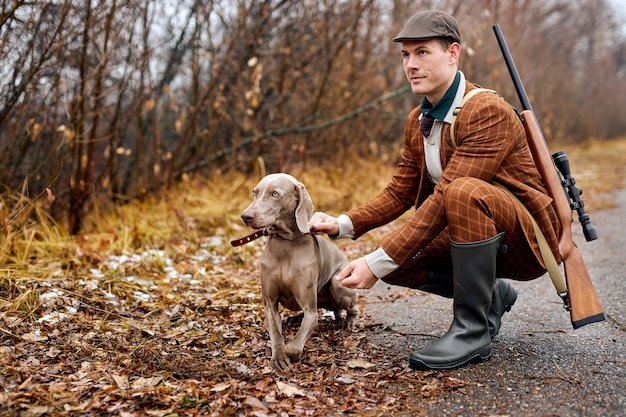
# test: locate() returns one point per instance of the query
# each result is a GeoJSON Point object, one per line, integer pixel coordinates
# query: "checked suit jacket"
{"type": "Point", "coordinates": [491, 145]}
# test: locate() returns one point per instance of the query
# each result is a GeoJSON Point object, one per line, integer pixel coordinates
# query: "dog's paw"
{"type": "Point", "coordinates": [351, 321]}
{"type": "Point", "coordinates": [294, 353]}
{"type": "Point", "coordinates": [346, 320]}
{"type": "Point", "coordinates": [340, 324]}
{"type": "Point", "coordinates": [280, 362]}
{"type": "Point", "coordinates": [349, 324]}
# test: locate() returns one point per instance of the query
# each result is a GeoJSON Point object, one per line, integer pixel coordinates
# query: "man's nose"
{"type": "Point", "coordinates": [412, 62]}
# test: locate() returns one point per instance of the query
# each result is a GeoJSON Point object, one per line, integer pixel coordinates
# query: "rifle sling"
{"type": "Point", "coordinates": [548, 257]}
{"type": "Point", "coordinates": [456, 111]}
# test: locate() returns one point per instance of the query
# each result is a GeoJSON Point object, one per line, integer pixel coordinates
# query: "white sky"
{"type": "Point", "coordinates": [620, 12]}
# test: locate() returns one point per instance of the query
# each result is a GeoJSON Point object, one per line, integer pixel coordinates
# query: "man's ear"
{"type": "Point", "coordinates": [455, 53]}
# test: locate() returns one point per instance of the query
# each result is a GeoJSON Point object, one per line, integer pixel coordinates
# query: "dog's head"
{"type": "Point", "coordinates": [280, 204]}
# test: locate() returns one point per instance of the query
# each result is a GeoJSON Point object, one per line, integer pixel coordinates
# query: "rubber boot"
{"type": "Point", "coordinates": [467, 340]}
{"type": "Point", "coordinates": [439, 283]}
{"type": "Point", "coordinates": [503, 297]}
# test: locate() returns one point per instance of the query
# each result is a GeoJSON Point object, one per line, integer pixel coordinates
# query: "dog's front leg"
{"type": "Point", "coordinates": [309, 323]}
{"type": "Point", "coordinates": [279, 360]}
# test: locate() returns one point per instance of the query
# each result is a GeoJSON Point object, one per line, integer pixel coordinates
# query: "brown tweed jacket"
{"type": "Point", "coordinates": [492, 145]}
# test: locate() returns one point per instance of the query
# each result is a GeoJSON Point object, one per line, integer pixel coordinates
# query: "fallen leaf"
{"type": "Point", "coordinates": [255, 403]}
{"type": "Point", "coordinates": [345, 379]}
{"type": "Point", "coordinates": [25, 383]}
{"type": "Point", "coordinates": [261, 384]}
{"type": "Point", "coordinates": [146, 382]}
{"type": "Point", "coordinates": [430, 388]}
{"type": "Point", "coordinates": [360, 363]}
{"type": "Point", "coordinates": [452, 383]}
{"type": "Point", "coordinates": [289, 390]}
{"type": "Point", "coordinates": [82, 382]}
{"type": "Point", "coordinates": [34, 337]}
{"type": "Point", "coordinates": [79, 407]}
{"type": "Point", "coordinates": [57, 387]}
{"type": "Point", "coordinates": [121, 381]}
{"type": "Point", "coordinates": [159, 413]}
{"type": "Point", "coordinates": [39, 410]}
{"type": "Point", "coordinates": [220, 387]}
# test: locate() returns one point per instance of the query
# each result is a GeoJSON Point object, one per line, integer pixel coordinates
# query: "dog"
{"type": "Point", "coordinates": [297, 268]}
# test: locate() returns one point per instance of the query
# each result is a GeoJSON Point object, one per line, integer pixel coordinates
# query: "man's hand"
{"type": "Point", "coordinates": [323, 223]}
{"type": "Point", "coordinates": [357, 275]}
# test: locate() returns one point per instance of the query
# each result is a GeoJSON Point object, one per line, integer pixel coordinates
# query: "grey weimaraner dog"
{"type": "Point", "coordinates": [297, 268]}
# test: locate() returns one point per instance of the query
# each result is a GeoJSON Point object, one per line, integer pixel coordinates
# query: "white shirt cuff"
{"type": "Point", "coordinates": [380, 263]}
{"type": "Point", "coordinates": [346, 228]}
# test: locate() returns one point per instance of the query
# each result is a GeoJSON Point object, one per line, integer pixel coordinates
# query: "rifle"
{"type": "Point", "coordinates": [580, 298]}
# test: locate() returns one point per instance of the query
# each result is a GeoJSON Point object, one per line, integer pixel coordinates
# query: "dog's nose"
{"type": "Point", "coordinates": [246, 217]}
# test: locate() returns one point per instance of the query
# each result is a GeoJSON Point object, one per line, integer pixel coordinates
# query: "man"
{"type": "Point", "coordinates": [466, 229]}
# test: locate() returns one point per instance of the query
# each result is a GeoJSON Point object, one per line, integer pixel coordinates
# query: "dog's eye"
{"type": "Point", "coordinates": [275, 194]}
{"type": "Point", "coordinates": [254, 193]}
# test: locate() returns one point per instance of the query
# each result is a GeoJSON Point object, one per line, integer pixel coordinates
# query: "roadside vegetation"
{"type": "Point", "coordinates": [111, 101]}
{"type": "Point", "coordinates": [150, 311]}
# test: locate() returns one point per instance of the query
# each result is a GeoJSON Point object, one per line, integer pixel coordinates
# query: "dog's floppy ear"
{"type": "Point", "coordinates": [304, 210]}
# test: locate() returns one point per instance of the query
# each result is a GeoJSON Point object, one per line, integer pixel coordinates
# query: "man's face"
{"type": "Point", "coordinates": [429, 67]}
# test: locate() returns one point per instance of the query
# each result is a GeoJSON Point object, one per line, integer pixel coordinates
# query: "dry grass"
{"type": "Point", "coordinates": [200, 214]}
{"type": "Point", "coordinates": [599, 168]}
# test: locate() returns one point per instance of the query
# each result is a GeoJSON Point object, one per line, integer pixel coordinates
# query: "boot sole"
{"type": "Point", "coordinates": [482, 355]}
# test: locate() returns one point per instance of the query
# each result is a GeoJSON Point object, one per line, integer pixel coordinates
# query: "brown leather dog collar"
{"type": "Point", "coordinates": [254, 236]}
{"type": "Point", "coordinates": [249, 238]}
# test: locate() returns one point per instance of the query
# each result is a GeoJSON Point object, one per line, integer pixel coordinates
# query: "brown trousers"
{"type": "Point", "coordinates": [475, 210]}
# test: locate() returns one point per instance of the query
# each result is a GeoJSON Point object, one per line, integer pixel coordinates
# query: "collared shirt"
{"type": "Point", "coordinates": [380, 263]}
{"type": "Point", "coordinates": [442, 112]}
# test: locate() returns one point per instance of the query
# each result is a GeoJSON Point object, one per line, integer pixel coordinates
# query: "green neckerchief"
{"type": "Point", "coordinates": [440, 109]}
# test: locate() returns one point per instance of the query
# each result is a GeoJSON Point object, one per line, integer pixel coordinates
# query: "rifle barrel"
{"type": "Point", "coordinates": [508, 59]}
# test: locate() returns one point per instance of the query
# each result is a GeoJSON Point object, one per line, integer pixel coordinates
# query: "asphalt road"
{"type": "Point", "coordinates": [540, 366]}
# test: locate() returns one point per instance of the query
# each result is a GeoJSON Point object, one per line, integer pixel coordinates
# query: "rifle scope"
{"type": "Point", "coordinates": [576, 203]}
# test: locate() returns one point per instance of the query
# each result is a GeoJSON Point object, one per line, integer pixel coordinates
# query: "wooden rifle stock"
{"type": "Point", "coordinates": [584, 305]}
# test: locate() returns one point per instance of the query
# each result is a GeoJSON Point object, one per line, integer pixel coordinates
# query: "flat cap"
{"type": "Point", "coordinates": [430, 24]}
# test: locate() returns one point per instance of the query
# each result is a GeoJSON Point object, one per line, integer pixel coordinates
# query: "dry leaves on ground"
{"type": "Point", "coordinates": [162, 334]}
